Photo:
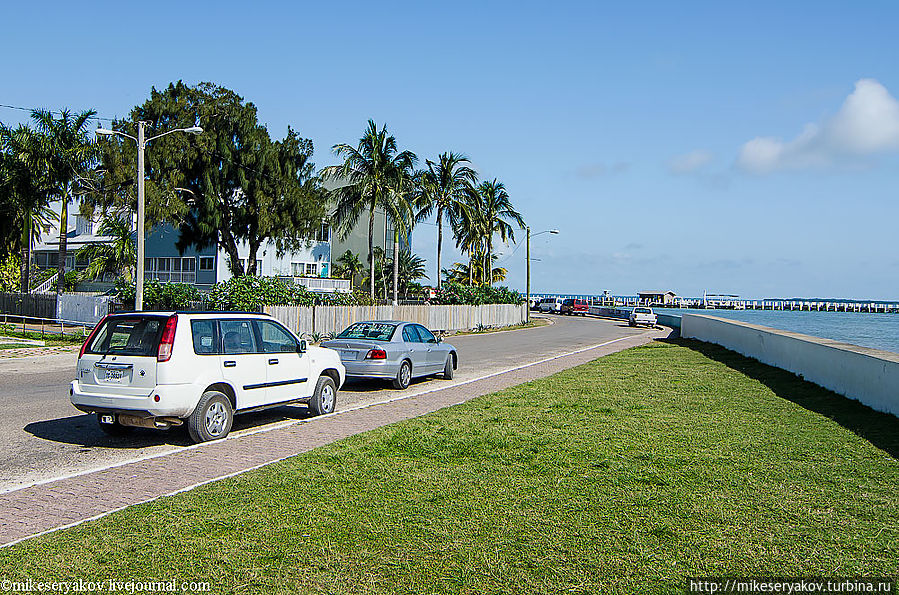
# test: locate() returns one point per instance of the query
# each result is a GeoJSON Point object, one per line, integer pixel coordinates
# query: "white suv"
{"type": "Point", "coordinates": [164, 369]}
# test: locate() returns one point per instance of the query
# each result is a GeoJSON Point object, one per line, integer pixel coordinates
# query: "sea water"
{"type": "Point", "coordinates": [880, 331]}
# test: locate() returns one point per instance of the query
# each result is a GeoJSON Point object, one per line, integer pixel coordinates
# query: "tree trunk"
{"type": "Point", "coordinates": [371, 251]}
{"type": "Point", "coordinates": [251, 258]}
{"type": "Point", "coordinates": [25, 267]}
{"type": "Point", "coordinates": [396, 265]}
{"type": "Point", "coordinates": [63, 237]}
{"type": "Point", "coordinates": [228, 244]}
{"type": "Point", "coordinates": [490, 261]}
{"type": "Point", "coordinates": [439, 243]}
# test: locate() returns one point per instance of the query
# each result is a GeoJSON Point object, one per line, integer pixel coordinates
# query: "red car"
{"type": "Point", "coordinates": [573, 306]}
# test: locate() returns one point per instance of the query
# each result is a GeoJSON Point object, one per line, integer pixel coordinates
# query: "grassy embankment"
{"type": "Point", "coordinates": [624, 475]}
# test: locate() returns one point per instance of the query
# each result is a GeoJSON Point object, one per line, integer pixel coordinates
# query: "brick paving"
{"type": "Point", "coordinates": [35, 509]}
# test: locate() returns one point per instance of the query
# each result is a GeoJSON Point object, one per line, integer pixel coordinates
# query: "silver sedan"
{"type": "Point", "coordinates": [392, 349]}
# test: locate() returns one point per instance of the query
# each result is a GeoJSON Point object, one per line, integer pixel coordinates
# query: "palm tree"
{"type": "Point", "coordinates": [469, 274]}
{"type": "Point", "coordinates": [444, 186]}
{"type": "Point", "coordinates": [368, 173]}
{"type": "Point", "coordinates": [24, 210]}
{"type": "Point", "coordinates": [411, 268]}
{"type": "Point", "coordinates": [497, 209]}
{"type": "Point", "coordinates": [470, 230]}
{"type": "Point", "coordinates": [118, 256]}
{"type": "Point", "coordinates": [349, 266]}
{"type": "Point", "coordinates": [67, 153]}
{"type": "Point", "coordinates": [400, 212]}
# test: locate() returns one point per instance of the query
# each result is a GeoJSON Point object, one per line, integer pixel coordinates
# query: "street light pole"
{"type": "Point", "coordinates": [528, 250]}
{"type": "Point", "coordinates": [139, 267]}
{"type": "Point", "coordinates": [142, 141]}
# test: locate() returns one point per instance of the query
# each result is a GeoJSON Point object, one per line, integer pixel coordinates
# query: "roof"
{"type": "Point", "coordinates": [655, 292]}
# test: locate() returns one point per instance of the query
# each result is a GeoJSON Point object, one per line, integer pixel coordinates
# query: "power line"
{"type": "Point", "coordinates": [33, 109]}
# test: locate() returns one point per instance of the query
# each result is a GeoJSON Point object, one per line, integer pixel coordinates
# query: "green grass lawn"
{"type": "Point", "coordinates": [625, 475]}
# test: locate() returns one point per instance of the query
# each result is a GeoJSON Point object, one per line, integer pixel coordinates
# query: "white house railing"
{"type": "Point", "coordinates": [321, 283]}
{"type": "Point", "coordinates": [46, 285]}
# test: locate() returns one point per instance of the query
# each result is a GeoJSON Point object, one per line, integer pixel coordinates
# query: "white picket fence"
{"type": "Point", "coordinates": [331, 320]}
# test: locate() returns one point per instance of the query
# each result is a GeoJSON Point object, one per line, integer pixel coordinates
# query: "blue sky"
{"type": "Point", "coordinates": [748, 149]}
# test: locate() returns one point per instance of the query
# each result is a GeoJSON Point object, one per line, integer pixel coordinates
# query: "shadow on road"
{"type": "Point", "coordinates": [880, 429]}
{"type": "Point", "coordinates": [371, 385]}
{"type": "Point", "coordinates": [83, 430]}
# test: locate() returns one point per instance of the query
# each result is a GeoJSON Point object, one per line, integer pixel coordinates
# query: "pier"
{"type": "Point", "coordinates": [733, 303]}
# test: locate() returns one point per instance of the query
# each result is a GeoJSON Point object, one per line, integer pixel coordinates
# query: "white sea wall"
{"type": "Point", "coordinates": [861, 373]}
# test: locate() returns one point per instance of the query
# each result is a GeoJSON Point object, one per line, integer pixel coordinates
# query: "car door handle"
{"type": "Point", "coordinates": [230, 364]}
{"type": "Point", "coordinates": [272, 361]}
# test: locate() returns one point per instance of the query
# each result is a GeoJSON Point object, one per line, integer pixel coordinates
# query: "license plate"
{"type": "Point", "coordinates": [115, 376]}
{"type": "Point", "coordinates": [347, 355]}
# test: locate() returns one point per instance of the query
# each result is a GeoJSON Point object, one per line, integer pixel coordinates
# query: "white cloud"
{"type": "Point", "coordinates": [866, 124]}
{"type": "Point", "coordinates": [690, 162]}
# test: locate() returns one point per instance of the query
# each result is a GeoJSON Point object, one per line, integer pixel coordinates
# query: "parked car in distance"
{"type": "Point", "coordinates": [574, 307]}
{"type": "Point", "coordinates": [394, 350]}
{"type": "Point", "coordinates": [642, 316]}
{"type": "Point", "coordinates": [164, 369]}
{"type": "Point", "coordinates": [551, 304]}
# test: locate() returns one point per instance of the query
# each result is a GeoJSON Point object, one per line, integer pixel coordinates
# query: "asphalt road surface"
{"type": "Point", "coordinates": [43, 437]}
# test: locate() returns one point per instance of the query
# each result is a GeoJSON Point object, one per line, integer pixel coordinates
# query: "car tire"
{"type": "Point", "coordinates": [212, 418]}
{"type": "Point", "coordinates": [115, 428]}
{"type": "Point", "coordinates": [324, 399]}
{"type": "Point", "coordinates": [449, 367]}
{"type": "Point", "coordinates": [403, 376]}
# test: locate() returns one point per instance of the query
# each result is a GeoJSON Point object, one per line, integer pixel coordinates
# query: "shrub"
{"type": "Point", "coordinates": [160, 296]}
{"type": "Point", "coordinates": [475, 295]}
{"type": "Point", "coordinates": [252, 293]}
{"type": "Point", "coordinates": [71, 280]}
{"type": "Point", "coordinates": [9, 274]}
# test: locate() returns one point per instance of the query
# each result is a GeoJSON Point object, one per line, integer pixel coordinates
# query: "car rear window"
{"type": "Point", "coordinates": [205, 337]}
{"type": "Point", "coordinates": [642, 311]}
{"type": "Point", "coordinates": [372, 331]}
{"type": "Point", "coordinates": [138, 335]}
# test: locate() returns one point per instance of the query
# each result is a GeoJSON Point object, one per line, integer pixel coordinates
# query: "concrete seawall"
{"type": "Point", "coordinates": [861, 373]}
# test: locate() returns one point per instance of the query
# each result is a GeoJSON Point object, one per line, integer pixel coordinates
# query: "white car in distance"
{"type": "Point", "coordinates": [642, 316]}
{"type": "Point", "coordinates": [164, 369]}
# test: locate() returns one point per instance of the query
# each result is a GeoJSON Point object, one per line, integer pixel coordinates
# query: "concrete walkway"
{"type": "Point", "coordinates": [69, 501]}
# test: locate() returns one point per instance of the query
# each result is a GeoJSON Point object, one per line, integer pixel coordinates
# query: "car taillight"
{"type": "Point", "coordinates": [167, 340]}
{"type": "Point", "coordinates": [91, 336]}
{"type": "Point", "coordinates": [376, 354]}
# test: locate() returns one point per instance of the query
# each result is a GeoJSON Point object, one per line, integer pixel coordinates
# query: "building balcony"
{"type": "Point", "coordinates": [321, 284]}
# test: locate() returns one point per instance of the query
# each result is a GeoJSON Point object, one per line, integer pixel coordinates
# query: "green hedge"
{"type": "Point", "coordinates": [251, 293]}
{"type": "Point", "coordinates": [160, 296]}
{"type": "Point", "coordinates": [475, 295]}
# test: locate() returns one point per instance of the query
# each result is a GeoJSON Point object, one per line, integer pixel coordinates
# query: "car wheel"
{"type": "Point", "coordinates": [404, 376]}
{"type": "Point", "coordinates": [212, 418]}
{"type": "Point", "coordinates": [448, 368]}
{"type": "Point", "coordinates": [324, 399]}
{"type": "Point", "coordinates": [115, 428]}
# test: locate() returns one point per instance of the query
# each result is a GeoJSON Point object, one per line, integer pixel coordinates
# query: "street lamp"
{"type": "Point", "coordinates": [141, 147]}
{"type": "Point", "coordinates": [552, 231]}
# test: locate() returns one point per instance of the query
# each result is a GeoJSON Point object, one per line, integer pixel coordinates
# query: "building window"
{"type": "Point", "coordinates": [207, 263]}
{"type": "Point", "coordinates": [174, 269]}
{"type": "Point", "coordinates": [324, 234]}
{"type": "Point", "coordinates": [311, 269]}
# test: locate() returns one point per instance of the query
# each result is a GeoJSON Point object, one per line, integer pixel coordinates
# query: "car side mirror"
{"type": "Point", "coordinates": [301, 346]}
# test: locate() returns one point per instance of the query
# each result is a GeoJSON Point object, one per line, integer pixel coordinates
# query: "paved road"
{"type": "Point", "coordinates": [42, 436]}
